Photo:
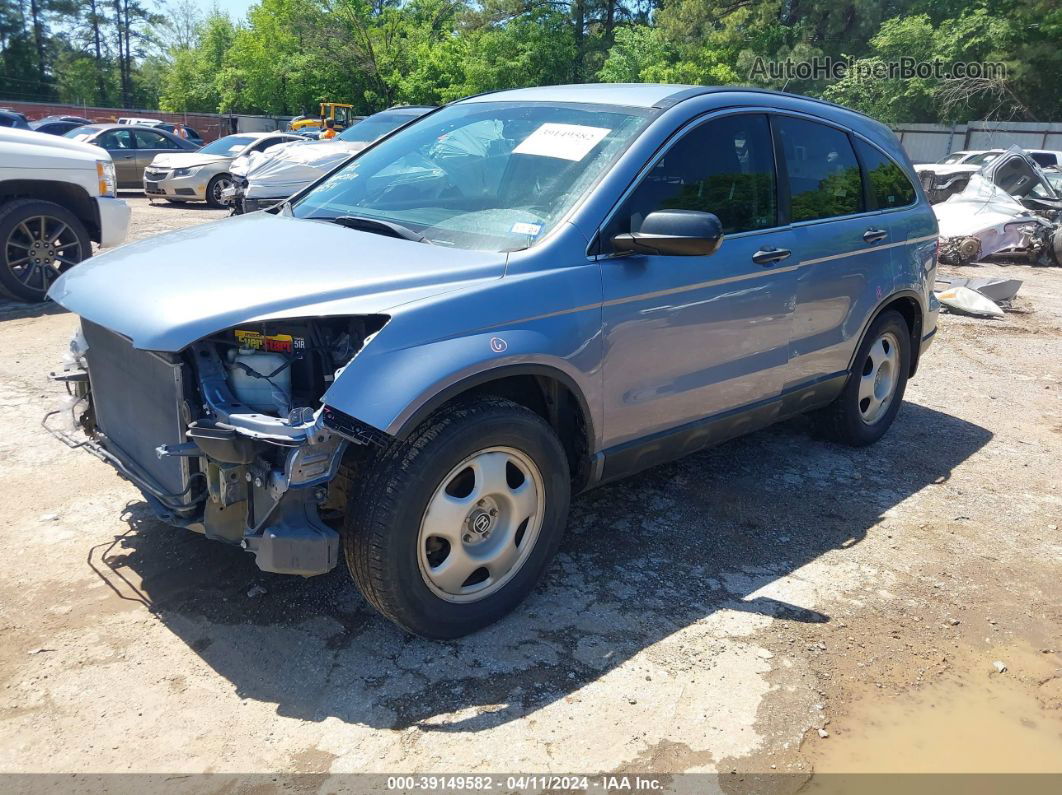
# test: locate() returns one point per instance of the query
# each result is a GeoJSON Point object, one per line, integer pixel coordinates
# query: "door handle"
{"type": "Point", "coordinates": [874, 235]}
{"type": "Point", "coordinates": [769, 256]}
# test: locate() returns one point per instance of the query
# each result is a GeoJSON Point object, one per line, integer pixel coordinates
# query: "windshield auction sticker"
{"type": "Point", "coordinates": [566, 141]}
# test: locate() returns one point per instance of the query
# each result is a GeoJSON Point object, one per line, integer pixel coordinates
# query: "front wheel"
{"type": "Point", "coordinates": [215, 188]}
{"type": "Point", "coordinates": [38, 241]}
{"type": "Point", "coordinates": [453, 528]}
{"type": "Point", "coordinates": [867, 405]}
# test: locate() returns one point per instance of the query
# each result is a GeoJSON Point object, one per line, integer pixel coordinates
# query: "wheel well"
{"type": "Point", "coordinates": [72, 197]}
{"type": "Point", "coordinates": [912, 313]}
{"type": "Point", "coordinates": [555, 402]}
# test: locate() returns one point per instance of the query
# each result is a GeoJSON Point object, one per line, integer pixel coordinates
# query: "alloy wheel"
{"type": "Point", "coordinates": [220, 185]}
{"type": "Point", "coordinates": [39, 249]}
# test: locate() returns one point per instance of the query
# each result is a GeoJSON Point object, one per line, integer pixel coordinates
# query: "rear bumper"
{"type": "Point", "coordinates": [929, 324]}
{"type": "Point", "coordinates": [114, 220]}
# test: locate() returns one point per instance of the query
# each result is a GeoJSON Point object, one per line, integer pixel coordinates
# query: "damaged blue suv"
{"type": "Point", "coordinates": [517, 297]}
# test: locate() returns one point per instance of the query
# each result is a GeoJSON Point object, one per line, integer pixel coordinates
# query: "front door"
{"type": "Point", "coordinates": [119, 145]}
{"type": "Point", "coordinates": [691, 337]}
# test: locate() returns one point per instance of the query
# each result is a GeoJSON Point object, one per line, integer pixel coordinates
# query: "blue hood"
{"type": "Point", "coordinates": [166, 292]}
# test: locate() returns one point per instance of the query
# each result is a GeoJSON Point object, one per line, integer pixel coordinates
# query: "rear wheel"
{"type": "Point", "coordinates": [452, 529]}
{"type": "Point", "coordinates": [871, 397]}
{"type": "Point", "coordinates": [38, 241]}
{"type": "Point", "coordinates": [215, 188]}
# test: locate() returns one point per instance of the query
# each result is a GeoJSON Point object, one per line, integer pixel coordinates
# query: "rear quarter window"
{"type": "Point", "coordinates": [887, 183]}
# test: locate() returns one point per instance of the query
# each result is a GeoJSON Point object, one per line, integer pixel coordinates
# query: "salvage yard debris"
{"type": "Point", "coordinates": [969, 302]}
{"type": "Point", "coordinates": [999, 290]}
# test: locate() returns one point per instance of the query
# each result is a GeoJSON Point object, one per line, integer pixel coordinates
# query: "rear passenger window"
{"type": "Point", "coordinates": [725, 166]}
{"type": "Point", "coordinates": [823, 172]}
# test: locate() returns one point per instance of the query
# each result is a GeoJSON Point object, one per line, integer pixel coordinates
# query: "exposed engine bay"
{"type": "Point", "coordinates": [230, 438]}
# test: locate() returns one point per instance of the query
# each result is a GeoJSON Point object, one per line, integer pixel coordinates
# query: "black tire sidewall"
{"type": "Point", "coordinates": [407, 598]}
{"type": "Point", "coordinates": [17, 212]}
{"type": "Point", "coordinates": [859, 432]}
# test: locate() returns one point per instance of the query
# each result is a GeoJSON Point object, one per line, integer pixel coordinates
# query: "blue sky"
{"type": "Point", "coordinates": [236, 9]}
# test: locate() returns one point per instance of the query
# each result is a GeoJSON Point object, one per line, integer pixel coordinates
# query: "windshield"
{"type": "Point", "coordinates": [230, 145]}
{"type": "Point", "coordinates": [80, 133]}
{"type": "Point", "coordinates": [954, 157]}
{"type": "Point", "coordinates": [368, 130]}
{"type": "Point", "coordinates": [494, 176]}
{"type": "Point", "coordinates": [982, 159]}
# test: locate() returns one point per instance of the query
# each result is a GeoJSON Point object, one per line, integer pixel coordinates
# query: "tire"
{"type": "Point", "coordinates": [64, 238]}
{"type": "Point", "coordinates": [395, 547]}
{"type": "Point", "coordinates": [863, 412]}
{"type": "Point", "coordinates": [214, 188]}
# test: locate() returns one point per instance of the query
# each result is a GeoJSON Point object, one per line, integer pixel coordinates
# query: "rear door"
{"type": "Point", "coordinates": [119, 144]}
{"type": "Point", "coordinates": [845, 248]}
{"type": "Point", "coordinates": [148, 144]}
{"type": "Point", "coordinates": [692, 337]}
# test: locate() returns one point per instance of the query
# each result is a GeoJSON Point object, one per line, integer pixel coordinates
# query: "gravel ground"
{"type": "Point", "coordinates": [742, 611]}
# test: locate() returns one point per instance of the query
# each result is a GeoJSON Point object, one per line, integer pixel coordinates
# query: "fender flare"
{"type": "Point", "coordinates": [916, 332]}
{"type": "Point", "coordinates": [411, 420]}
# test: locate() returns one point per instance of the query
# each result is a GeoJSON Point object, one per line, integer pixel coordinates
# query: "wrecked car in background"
{"type": "Point", "coordinates": [282, 171]}
{"type": "Point", "coordinates": [1009, 208]}
{"type": "Point", "coordinates": [203, 175]}
{"type": "Point", "coordinates": [951, 174]}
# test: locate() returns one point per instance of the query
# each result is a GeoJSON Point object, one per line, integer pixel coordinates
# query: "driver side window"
{"type": "Point", "coordinates": [724, 166]}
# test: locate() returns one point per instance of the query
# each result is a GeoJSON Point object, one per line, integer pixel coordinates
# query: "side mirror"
{"type": "Point", "coordinates": [674, 233]}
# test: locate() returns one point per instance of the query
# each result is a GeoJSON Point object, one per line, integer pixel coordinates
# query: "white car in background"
{"type": "Point", "coordinates": [268, 178]}
{"type": "Point", "coordinates": [203, 175]}
{"type": "Point", "coordinates": [57, 197]}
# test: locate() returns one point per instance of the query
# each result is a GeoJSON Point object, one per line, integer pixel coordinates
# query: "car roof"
{"type": "Point", "coordinates": [638, 95]}
{"type": "Point", "coordinates": [262, 134]}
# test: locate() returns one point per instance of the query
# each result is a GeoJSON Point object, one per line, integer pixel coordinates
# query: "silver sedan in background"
{"type": "Point", "coordinates": [203, 175]}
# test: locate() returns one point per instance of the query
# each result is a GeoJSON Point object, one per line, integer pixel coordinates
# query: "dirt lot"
{"type": "Point", "coordinates": [774, 605]}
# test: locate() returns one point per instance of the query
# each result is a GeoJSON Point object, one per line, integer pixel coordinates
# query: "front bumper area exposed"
{"type": "Point", "coordinates": [114, 220]}
{"type": "Point", "coordinates": [202, 460]}
{"type": "Point", "coordinates": [160, 183]}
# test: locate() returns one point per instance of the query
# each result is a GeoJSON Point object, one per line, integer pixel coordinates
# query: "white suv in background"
{"type": "Point", "coordinates": [57, 197]}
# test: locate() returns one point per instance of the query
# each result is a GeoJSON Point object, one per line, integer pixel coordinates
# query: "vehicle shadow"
{"type": "Point", "coordinates": [643, 558]}
{"type": "Point", "coordinates": [13, 309]}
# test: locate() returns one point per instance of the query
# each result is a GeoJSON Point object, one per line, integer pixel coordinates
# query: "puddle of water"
{"type": "Point", "coordinates": [969, 720]}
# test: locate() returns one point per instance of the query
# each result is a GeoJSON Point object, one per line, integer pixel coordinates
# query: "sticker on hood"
{"type": "Point", "coordinates": [565, 141]}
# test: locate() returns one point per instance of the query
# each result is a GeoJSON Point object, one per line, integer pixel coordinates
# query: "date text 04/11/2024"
{"type": "Point", "coordinates": [530, 782]}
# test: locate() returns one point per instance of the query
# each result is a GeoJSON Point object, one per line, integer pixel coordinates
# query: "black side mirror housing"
{"type": "Point", "coordinates": [673, 233]}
